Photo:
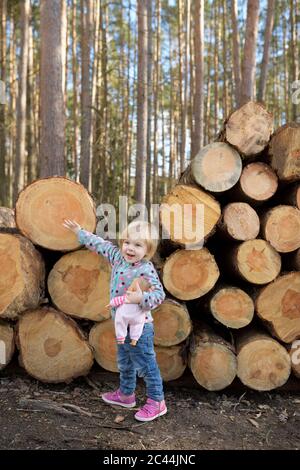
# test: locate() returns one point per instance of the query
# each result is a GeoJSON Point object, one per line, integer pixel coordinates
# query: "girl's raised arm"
{"type": "Point", "coordinates": [94, 242]}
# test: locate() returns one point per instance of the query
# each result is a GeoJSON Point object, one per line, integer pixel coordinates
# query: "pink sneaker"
{"type": "Point", "coordinates": [118, 398]}
{"type": "Point", "coordinates": [151, 410]}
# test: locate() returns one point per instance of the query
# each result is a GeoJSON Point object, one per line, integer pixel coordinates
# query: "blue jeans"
{"type": "Point", "coordinates": [141, 360]}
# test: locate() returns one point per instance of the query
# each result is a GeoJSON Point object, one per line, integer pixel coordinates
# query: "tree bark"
{"type": "Point", "coordinates": [249, 61]}
{"type": "Point", "coordinates": [236, 52]}
{"type": "Point", "coordinates": [22, 101]}
{"type": "Point", "coordinates": [142, 103]}
{"type": "Point", "coordinates": [265, 60]}
{"type": "Point", "coordinates": [52, 97]}
{"type": "Point", "coordinates": [86, 93]}
{"type": "Point", "coordinates": [199, 76]}
{"type": "Point", "coordinates": [3, 153]}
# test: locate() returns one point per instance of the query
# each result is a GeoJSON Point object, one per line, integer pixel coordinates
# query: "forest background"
{"type": "Point", "coordinates": [120, 95]}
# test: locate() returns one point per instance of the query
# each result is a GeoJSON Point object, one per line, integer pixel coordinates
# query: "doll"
{"type": "Point", "coordinates": [130, 314]}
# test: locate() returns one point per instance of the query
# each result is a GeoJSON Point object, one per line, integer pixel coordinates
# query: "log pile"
{"type": "Point", "coordinates": [230, 269]}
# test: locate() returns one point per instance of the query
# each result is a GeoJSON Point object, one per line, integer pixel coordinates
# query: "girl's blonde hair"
{"type": "Point", "coordinates": [141, 230]}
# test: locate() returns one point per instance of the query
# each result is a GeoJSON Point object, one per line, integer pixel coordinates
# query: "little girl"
{"type": "Point", "coordinates": [129, 262]}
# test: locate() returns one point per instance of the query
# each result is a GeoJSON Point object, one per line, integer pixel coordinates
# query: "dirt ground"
{"type": "Point", "coordinates": [42, 416]}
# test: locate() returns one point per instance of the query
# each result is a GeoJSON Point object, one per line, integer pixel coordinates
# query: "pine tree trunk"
{"type": "Point", "coordinates": [86, 93]}
{"type": "Point", "coordinates": [149, 106]}
{"type": "Point", "coordinates": [75, 84]}
{"type": "Point", "coordinates": [22, 101]}
{"type": "Point", "coordinates": [249, 61]}
{"type": "Point", "coordinates": [236, 52]}
{"type": "Point", "coordinates": [3, 153]}
{"type": "Point", "coordinates": [52, 100]}
{"type": "Point", "coordinates": [199, 76]}
{"type": "Point", "coordinates": [142, 103]}
{"type": "Point", "coordinates": [265, 60]}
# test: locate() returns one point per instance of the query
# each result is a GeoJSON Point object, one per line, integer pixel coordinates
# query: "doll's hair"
{"type": "Point", "coordinates": [141, 230]}
{"type": "Point", "coordinates": [143, 283]}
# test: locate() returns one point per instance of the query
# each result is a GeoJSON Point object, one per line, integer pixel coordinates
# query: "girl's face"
{"type": "Point", "coordinates": [133, 250]}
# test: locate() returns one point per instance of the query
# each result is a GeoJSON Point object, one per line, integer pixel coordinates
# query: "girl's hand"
{"type": "Point", "coordinates": [134, 297]}
{"type": "Point", "coordinates": [72, 225]}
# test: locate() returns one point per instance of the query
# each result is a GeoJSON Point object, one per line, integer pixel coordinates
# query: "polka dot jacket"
{"type": "Point", "coordinates": [123, 273]}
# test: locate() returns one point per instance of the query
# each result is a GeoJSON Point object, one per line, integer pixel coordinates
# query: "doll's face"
{"type": "Point", "coordinates": [133, 250]}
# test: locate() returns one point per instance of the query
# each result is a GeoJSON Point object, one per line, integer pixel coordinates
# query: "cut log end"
{"type": "Point", "coordinates": [79, 285]}
{"type": "Point", "coordinates": [213, 366]}
{"type": "Point", "coordinates": [263, 363]}
{"type": "Point", "coordinates": [281, 227]}
{"type": "Point", "coordinates": [190, 274]}
{"type": "Point", "coordinates": [232, 307]}
{"type": "Point", "coordinates": [257, 261]}
{"type": "Point", "coordinates": [285, 152]}
{"type": "Point", "coordinates": [240, 221]}
{"type": "Point", "coordinates": [258, 181]}
{"type": "Point", "coordinates": [212, 359]}
{"type": "Point", "coordinates": [170, 361]}
{"type": "Point", "coordinates": [188, 215]}
{"type": "Point", "coordinates": [44, 204]}
{"type": "Point", "coordinates": [217, 167]}
{"type": "Point", "coordinates": [279, 305]}
{"type": "Point", "coordinates": [22, 281]}
{"type": "Point", "coordinates": [172, 323]}
{"type": "Point", "coordinates": [249, 128]}
{"type": "Point", "coordinates": [52, 347]}
{"type": "Point", "coordinates": [102, 338]}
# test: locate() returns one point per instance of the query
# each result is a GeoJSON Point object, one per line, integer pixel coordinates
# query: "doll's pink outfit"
{"type": "Point", "coordinates": [128, 315]}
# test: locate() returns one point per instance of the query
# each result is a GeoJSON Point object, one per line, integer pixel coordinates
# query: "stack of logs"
{"type": "Point", "coordinates": [232, 306]}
